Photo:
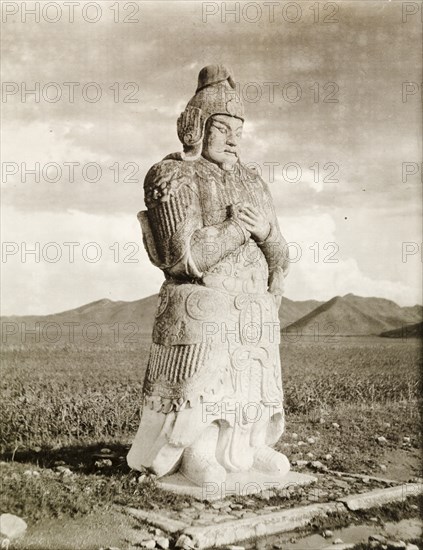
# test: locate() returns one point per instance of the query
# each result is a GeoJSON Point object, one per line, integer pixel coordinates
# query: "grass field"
{"type": "Point", "coordinates": [62, 404]}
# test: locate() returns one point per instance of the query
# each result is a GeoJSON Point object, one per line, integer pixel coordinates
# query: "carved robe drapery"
{"type": "Point", "coordinates": [215, 350]}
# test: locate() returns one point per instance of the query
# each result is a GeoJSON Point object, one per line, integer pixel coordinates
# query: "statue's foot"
{"type": "Point", "coordinates": [201, 468]}
{"type": "Point", "coordinates": [268, 460]}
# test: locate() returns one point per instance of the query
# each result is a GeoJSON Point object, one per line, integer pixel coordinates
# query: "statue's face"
{"type": "Point", "coordinates": [222, 138]}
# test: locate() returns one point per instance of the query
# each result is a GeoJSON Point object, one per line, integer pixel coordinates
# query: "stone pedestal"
{"type": "Point", "coordinates": [243, 484]}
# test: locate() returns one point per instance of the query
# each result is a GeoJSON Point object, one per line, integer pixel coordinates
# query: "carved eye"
{"type": "Point", "coordinates": [221, 129]}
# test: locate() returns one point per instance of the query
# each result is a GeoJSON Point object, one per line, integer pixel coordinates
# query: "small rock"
{"type": "Point", "coordinates": [327, 534]}
{"type": "Point", "coordinates": [185, 542]}
{"type": "Point", "coordinates": [235, 547]}
{"type": "Point", "coordinates": [311, 440]}
{"type": "Point", "coordinates": [103, 463]}
{"type": "Point", "coordinates": [266, 494]}
{"type": "Point", "coordinates": [411, 546]}
{"type": "Point", "coordinates": [335, 425]}
{"type": "Point", "coordinates": [406, 439]}
{"type": "Point", "coordinates": [148, 544]}
{"type": "Point", "coordinates": [12, 526]}
{"type": "Point", "coordinates": [328, 457]}
{"type": "Point", "coordinates": [294, 436]}
{"type": "Point", "coordinates": [317, 465]}
{"type": "Point", "coordinates": [142, 479]}
{"type": "Point", "coordinates": [338, 541]}
{"type": "Point", "coordinates": [218, 505]}
{"type": "Point", "coordinates": [301, 443]}
{"type": "Point", "coordinates": [310, 455]}
{"type": "Point", "coordinates": [105, 451]}
{"type": "Point", "coordinates": [365, 479]}
{"type": "Point", "coordinates": [31, 473]}
{"type": "Point", "coordinates": [377, 538]}
{"type": "Point", "coordinates": [382, 467]}
{"type": "Point", "coordinates": [198, 505]}
{"type": "Point", "coordinates": [381, 440]}
{"type": "Point", "coordinates": [64, 471]}
{"type": "Point", "coordinates": [374, 520]}
{"type": "Point", "coordinates": [163, 542]}
{"type": "Point", "coordinates": [322, 420]}
{"type": "Point", "coordinates": [396, 544]}
{"type": "Point", "coordinates": [236, 506]}
{"type": "Point", "coordinates": [301, 463]}
{"type": "Point", "coordinates": [386, 425]}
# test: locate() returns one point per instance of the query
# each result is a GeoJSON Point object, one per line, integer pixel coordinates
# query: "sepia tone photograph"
{"type": "Point", "coordinates": [211, 258]}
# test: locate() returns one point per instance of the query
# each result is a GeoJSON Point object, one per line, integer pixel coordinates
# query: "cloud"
{"type": "Point", "coordinates": [62, 276]}
{"type": "Point", "coordinates": [368, 134]}
{"type": "Point", "coordinates": [322, 267]}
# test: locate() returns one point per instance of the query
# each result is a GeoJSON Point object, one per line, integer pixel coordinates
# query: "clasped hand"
{"type": "Point", "coordinates": [255, 221]}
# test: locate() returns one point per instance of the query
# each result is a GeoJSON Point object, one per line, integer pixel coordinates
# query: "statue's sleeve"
{"type": "Point", "coordinates": [173, 231]}
{"type": "Point", "coordinates": [274, 247]}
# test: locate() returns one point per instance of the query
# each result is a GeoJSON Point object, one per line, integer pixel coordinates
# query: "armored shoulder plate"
{"type": "Point", "coordinates": [165, 179]}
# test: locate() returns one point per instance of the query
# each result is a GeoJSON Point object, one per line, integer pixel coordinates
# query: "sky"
{"type": "Point", "coordinates": [332, 94]}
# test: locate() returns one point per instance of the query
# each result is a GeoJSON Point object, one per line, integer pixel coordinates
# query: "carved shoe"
{"type": "Point", "coordinates": [268, 460]}
{"type": "Point", "coordinates": [200, 468]}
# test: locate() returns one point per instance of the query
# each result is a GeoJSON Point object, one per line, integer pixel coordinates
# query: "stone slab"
{"type": "Point", "coordinates": [360, 476]}
{"type": "Point", "coordinates": [153, 518]}
{"type": "Point", "coordinates": [231, 532]}
{"type": "Point", "coordinates": [381, 496]}
{"type": "Point", "coordinates": [248, 483]}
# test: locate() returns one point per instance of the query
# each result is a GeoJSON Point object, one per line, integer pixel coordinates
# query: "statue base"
{"type": "Point", "coordinates": [243, 483]}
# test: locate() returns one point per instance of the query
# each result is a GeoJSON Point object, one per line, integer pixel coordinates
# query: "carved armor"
{"type": "Point", "coordinates": [216, 332]}
{"type": "Point", "coordinates": [214, 359]}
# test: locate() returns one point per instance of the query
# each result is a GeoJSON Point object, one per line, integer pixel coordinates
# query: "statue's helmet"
{"type": "Point", "coordinates": [215, 95]}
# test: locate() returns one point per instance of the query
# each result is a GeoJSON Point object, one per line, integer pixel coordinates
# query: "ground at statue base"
{"type": "Point", "coordinates": [271, 521]}
{"type": "Point", "coordinates": [236, 484]}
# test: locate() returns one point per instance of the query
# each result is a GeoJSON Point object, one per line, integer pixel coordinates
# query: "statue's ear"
{"type": "Point", "coordinates": [191, 126]}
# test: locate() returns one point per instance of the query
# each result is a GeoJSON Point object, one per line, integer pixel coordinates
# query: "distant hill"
{"type": "Point", "coordinates": [142, 312]}
{"type": "Point", "coordinates": [352, 315]}
{"type": "Point", "coordinates": [407, 331]}
{"type": "Point", "coordinates": [102, 312]}
{"type": "Point", "coordinates": [348, 315]}
{"type": "Point", "coordinates": [290, 310]}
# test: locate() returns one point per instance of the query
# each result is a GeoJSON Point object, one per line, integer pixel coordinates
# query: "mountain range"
{"type": "Point", "coordinates": [348, 315]}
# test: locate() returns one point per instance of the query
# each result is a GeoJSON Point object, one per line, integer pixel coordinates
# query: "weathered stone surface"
{"type": "Point", "coordinates": [163, 542]}
{"type": "Point", "coordinates": [224, 259]}
{"type": "Point", "coordinates": [235, 484]}
{"type": "Point", "coordinates": [381, 496]}
{"type": "Point", "coordinates": [264, 525]}
{"type": "Point", "coordinates": [185, 542]}
{"type": "Point", "coordinates": [339, 546]}
{"type": "Point", "coordinates": [167, 524]}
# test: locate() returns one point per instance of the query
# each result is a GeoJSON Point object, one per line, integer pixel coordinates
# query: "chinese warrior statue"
{"type": "Point", "coordinates": [212, 398]}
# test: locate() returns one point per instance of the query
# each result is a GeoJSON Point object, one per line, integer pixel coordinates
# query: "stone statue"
{"type": "Point", "coordinates": [212, 398]}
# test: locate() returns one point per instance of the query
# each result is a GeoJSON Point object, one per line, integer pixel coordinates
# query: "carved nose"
{"type": "Point", "coordinates": [231, 140]}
